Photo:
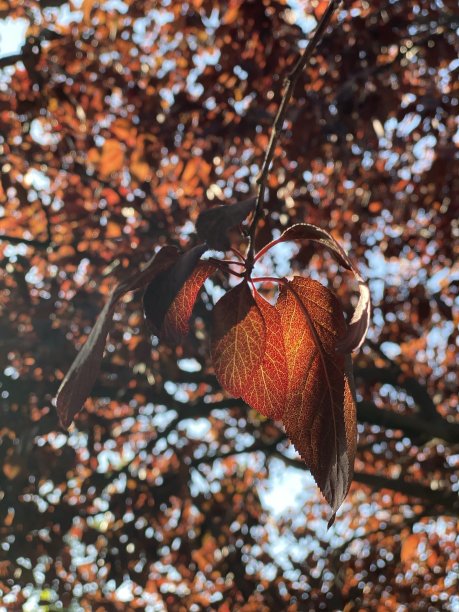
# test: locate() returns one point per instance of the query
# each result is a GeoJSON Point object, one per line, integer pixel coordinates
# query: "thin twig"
{"type": "Point", "coordinates": [289, 87]}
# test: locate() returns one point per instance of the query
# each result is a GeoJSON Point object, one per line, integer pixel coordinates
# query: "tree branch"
{"type": "Point", "coordinates": [38, 244]}
{"type": "Point", "coordinates": [448, 500]}
{"type": "Point", "coordinates": [289, 87]}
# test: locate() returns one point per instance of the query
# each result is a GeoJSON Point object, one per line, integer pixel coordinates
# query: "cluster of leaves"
{"type": "Point", "coordinates": [290, 361]}
{"type": "Point", "coordinates": [116, 129]}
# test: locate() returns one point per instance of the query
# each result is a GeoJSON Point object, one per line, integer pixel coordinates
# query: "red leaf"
{"type": "Point", "coordinates": [358, 326]}
{"type": "Point", "coordinates": [238, 339]}
{"type": "Point", "coordinates": [267, 390]}
{"type": "Point", "coordinates": [177, 319]}
{"type": "Point", "coordinates": [164, 288]}
{"type": "Point", "coordinates": [320, 413]}
{"type": "Point", "coordinates": [83, 372]}
{"type": "Point", "coordinates": [213, 225]}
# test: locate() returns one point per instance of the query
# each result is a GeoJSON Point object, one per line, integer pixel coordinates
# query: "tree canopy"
{"type": "Point", "coordinates": [121, 122]}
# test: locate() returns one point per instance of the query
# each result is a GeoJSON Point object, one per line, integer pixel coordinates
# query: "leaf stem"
{"type": "Point", "coordinates": [224, 266]}
{"type": "Point", "coordinates": [238, 254]}
{"type": "Point", "coordinates": [289, 87]}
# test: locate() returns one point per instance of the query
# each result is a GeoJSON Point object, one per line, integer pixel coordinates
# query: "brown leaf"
{"type": "Point", "coordinates": [320, 413]}
{"type": "Point", "coordinates": [83, 372]}
{"type": "Point", "coordinates": [238, 339]}
{"type": "Point", "coordinates": [213, 225]}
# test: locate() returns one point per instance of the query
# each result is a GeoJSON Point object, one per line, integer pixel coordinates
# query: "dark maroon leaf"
{"type": "Point", "coordinates": [307, 231]}
{"type": "Point", "coordinates": [83, 372]}
{"type": "Point", "coordinates": [213, 224]}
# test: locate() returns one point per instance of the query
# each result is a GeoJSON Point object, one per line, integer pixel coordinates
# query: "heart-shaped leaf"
{"type": "Point", "coordinates": [320, 413]}
{"type": "Point", "coordinates": [267, 389]}
{"type": "Point", "coordinates": [213, 225]}
{"type": "Point", "coordinates": [238, 339]}
{"type": "Point", "coordinates": [83, 372]}
{"type": "Point", "coordinates": [164, 288]}
{"type": "Point", "coordinates": [177, 319]}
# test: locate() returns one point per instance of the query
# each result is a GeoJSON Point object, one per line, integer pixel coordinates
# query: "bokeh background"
{"type": "Point", "coordinates": [120, 121]}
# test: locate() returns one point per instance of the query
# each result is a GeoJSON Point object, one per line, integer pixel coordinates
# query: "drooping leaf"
{"type": "Point", "coordinates": [267, 390]}
{"type": "Point", "coordinates": [177, 319]}
{"type": "Point", "coordinates": [319, 416]}
{"type": "Point", "coordinates": [358, 326]}
{"type": "Point", "coordinates": [83, 372]}
{"type": "Point", "coordinates": [164, 288]}
{"type": "Point", "coordinates": [307, 231]}
{"type": "Point", "coordinates": [238, 339]}
{"type": "Point", "coordinates": [213, 225]}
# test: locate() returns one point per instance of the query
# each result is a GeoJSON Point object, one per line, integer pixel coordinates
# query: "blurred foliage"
{"type": "Point", "coordinates": [119, 122]}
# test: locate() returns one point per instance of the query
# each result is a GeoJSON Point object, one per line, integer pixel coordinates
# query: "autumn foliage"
{"type": "Point", "coordinates": [196, 311]}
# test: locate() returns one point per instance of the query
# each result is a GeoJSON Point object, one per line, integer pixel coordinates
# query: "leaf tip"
{"type": "Point", "coordinates": [331, 521]}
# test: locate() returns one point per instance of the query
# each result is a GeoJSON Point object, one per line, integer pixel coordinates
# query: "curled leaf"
{"type": "Point", "coordinates": [358, 326]}
{"type": "Point", "coordinates": [177, 319]}
{"type": "Point", "coordinates": [307, 231]}
{"type": "Point", "coordinates": [238, 339]}
{"type": "Point", "coordinates": [164, 288]}
{"type": "Point", "coordinates": [267, 390]}
{"type": "Point", "coordinates": [320, 412]}
{"type": "Point", "coordinates": [213, 225]}
{"type": "Point", "coordinates": [83, 372]}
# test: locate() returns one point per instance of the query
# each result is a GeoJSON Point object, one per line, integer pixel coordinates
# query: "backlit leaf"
{"type": "Point", "coordinates": [161, 292]}
{"type": "Point", "coordinates": [358, 326]}
{"type": "Point", "coordinates": [267, 390]}
{"type": "Point", "coordinates": [213, 225]}
{"type": "Point", "coordinates": [83, 372]}
{"type": "Point", "coordinates": [319, 417]}
{"type": "Point", "coordinates": [177, 319]}
{"type": "Point", "coordinates": [238, 339]}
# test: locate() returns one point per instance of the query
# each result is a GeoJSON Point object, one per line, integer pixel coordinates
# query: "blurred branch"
{"type": "Point", "coordinates": [368, 412]}
{"type": "Point", "coordinates": [446, 499]}
{"type": "Point", "coordinates": [38, 244]}
{"type": "Point", "coordinates": [289, 87]}
{"type": "Point", "coordinates": [439, 497]}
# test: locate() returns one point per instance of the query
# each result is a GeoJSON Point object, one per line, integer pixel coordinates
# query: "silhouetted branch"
{"type": "Point", "coordinates": [289, 87]}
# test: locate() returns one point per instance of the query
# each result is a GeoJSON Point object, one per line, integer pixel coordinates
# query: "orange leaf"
{"type": "Point", "coordinates": [409, 548]}
{"type": "Point", "coordinates": [238, 339]}
{"type": "Point", "coordinates": [113, 230]}
{"type": "Point", "coordinates": [177, 320]}
{"type": "Point", "coordinates": [112, 158]}
{"type": "Point", "coordinates": [320, 413]}
{"type": "Point", "coordinates": [268, 384]}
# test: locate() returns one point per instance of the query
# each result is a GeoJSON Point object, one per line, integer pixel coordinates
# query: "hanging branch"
{"type": "Point", "coordinates": [289, 87]}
